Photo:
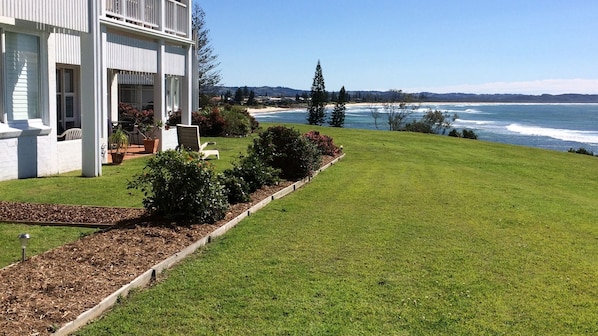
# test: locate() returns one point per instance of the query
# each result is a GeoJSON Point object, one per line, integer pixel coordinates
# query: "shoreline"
{"type": "Point", "coordinates": [272, 109]}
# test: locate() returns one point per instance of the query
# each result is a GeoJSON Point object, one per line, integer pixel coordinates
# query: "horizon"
{"type": "Point", "coordinates": [416, 92]}
{"type": "Point", "coordinates": [532, 48]}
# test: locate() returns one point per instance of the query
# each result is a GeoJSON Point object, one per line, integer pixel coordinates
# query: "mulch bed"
{"type": "Point", "coordinates": [48, 290]}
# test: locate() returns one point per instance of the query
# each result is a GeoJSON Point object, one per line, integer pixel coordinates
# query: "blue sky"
{"type": "Point", "coordinates": [494, 46]}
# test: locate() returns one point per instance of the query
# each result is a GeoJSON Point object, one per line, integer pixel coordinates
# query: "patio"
{"type": "Point", "coordinates": [133, 151]}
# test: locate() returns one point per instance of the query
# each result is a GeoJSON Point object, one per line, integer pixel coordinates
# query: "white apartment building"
{"type": "Point", "coordinates": [67, 64]}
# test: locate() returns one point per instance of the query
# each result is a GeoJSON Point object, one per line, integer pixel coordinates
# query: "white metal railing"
{"type": "Point", "coordinates": [147, 13]}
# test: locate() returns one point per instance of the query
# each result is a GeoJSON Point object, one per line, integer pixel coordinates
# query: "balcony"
{"type": "Point", "coordinates": [169, 16]}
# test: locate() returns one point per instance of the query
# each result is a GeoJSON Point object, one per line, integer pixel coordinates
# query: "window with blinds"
{"type": "Point", "coordinates": [22, 72]}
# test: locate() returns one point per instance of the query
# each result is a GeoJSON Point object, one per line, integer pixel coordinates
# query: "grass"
{"type": "Point", "coordinates": [410, 234]}
{"type": "Point", "coordinates": [108, 190]}
{"type": "Point", "coordinates": [43, 238]}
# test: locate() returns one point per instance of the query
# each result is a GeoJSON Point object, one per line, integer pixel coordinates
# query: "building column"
{"type": "Point", "coordinates": [160, 91]}
{"type": "Point", "coordinates": [112, 115]}
{"type": "Point", "coordinates": [47, 161]}
{"type": "Point", "coordinates": [187, 87]}
{"type": "Point", "coordinates": [92, 97]}
{"type": "Point", "coordinates": [113, 86]}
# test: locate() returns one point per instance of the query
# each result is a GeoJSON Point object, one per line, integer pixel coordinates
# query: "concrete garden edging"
{"type": "Point", "coordinates": [150, 275]}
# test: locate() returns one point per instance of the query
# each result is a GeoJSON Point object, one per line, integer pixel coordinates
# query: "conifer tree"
{"type": "Point", "coordinates": [206, 70]}
{"type": "Point", "coordinates": [251, 100]}
{"type": "Point", "coordinates": [316, 110]}
{"type": "Point", "coordinates": [239, 96]}
{"type": "Point", "coordinates": [337, 118]}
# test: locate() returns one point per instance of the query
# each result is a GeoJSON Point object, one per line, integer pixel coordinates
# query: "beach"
{"type": "Point", "coordinates": [270, 109]}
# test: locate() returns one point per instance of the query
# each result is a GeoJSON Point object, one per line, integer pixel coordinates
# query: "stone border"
{"type": "Point", "coordinates": [150, 275]}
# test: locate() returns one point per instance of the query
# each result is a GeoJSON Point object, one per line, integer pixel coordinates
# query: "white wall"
{"type": "Point", "coordinates": [128, 53]}
{"type": "Point", "coordinates": [28, 155]}
{"type": "Point", "coordinates": [168, 139]}
{"type": "Point", "coordinates": [9, 160]}
{"type": "Point", "coordinates": [69, 156]}
{"type": "Point", "coordinates": [71, 14]}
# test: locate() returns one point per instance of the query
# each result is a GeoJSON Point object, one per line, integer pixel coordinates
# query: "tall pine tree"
{"type": "Point", "coordinates": [337, 118]}
{"type": "Point", "coordinates": [316, 110]}
{"type": "Point", "coordinates": [239, 96]}
{"type": "Point", "coordinates": [206, 75]}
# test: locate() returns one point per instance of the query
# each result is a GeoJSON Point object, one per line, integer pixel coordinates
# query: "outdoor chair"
{"type": "Point", "coordinates": [188, 137]}
{"type": "Point", "coordinates": [70, 134]}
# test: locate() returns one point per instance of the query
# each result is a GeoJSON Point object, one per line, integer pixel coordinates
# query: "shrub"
{"type": "Point", "coordinates": [231, 120]}
{"type": "Point", "coordinates": [467, 134]}
{"type": "Point", "coordinates": [174, 118]}
{"type": "Point", "coordinates": [236, 123]}
{"type": "Point", "coordinates": [419, 126]}
{"type": "Point", "coordinates": [210, 122]}
{"type": "Point", "coordinates": [324, 143]}
{"type": "Point", "coordinates": [248, 175]}
{"type": "Point", "coordinates": [235, 188]}
{"type": "Point", "coordinates": [285, 149]}
{"type": "Point", "coordinates": [179, 185]}
{"type": "Point", "coordinates": [455, 133]}
{"type": "Point", "coordinates": [255, 172]}
{"type": "Point", "coordinates": [581, 150]}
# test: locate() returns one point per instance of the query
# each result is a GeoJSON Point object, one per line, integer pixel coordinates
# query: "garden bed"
{"type": "Point", "coordinates": [48, 290]}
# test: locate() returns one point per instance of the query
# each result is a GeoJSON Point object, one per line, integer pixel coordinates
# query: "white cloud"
{"type": "Point", "coordinates": [549, 86]}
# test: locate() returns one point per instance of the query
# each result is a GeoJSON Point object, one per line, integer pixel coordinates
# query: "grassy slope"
{"type": "Point", "coordinates": [410, 234]}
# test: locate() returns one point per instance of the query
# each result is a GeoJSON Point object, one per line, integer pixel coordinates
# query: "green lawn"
{"type": "Point", "coordinates": [108, 190]}
{"type": "Point", "coordinates": [410, 234]}
{"type": "Point", "coordinates": [43, 238]}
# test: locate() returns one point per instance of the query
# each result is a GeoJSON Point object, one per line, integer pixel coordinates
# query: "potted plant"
{"type": "Point", "coordinates": [148, 130]}
{"type": "Point", "coordinates": [146, 124]}
{"type": "Point", "coordinates": [119, 142]}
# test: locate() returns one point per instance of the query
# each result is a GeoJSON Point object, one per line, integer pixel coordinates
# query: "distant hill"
{"type": "Point", "coordinates": [268, 91]}
{"type": "Point", "coordinates": [509, 98]}
{"type": "Point", "coordinates": [376, 96]}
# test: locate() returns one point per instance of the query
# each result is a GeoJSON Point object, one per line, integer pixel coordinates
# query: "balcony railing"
{"type": "Point", "coordinates": [176, 17]}
{"type": "Point", "coordinates": [147, 13]}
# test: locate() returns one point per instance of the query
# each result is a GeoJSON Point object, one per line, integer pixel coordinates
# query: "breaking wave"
{"type": "Point", "coordinates": [590, 137]}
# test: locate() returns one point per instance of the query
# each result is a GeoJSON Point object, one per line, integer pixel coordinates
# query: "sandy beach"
{"type": "Point", "coordinates": [269, 109]}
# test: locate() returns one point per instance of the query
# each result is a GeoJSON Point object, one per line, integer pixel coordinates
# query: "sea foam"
{"type": "Point", "coordinates": [555, 133]}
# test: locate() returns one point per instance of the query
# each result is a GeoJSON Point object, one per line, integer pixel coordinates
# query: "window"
{"type": "Point", "coordinates": [66, 99]}
{"type": "Point", "coordinates": [172, 94]}
{"type": "Point", "coordinates": [140, 96]}
{"type": "Point", "coordinates": [22, 76]}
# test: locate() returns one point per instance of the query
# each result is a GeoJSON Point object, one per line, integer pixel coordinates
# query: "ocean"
{"type": "Point", "coordinates": [549, 126]}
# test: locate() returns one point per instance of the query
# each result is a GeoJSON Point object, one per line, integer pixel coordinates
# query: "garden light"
{"type": "Point", "coordinates": [23, 238]}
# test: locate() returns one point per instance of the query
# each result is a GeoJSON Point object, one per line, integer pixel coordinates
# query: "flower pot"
{"type": "Point", "coordinates": [151, 145]}
{"type": "Point", "coordinates": [117, 158]}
